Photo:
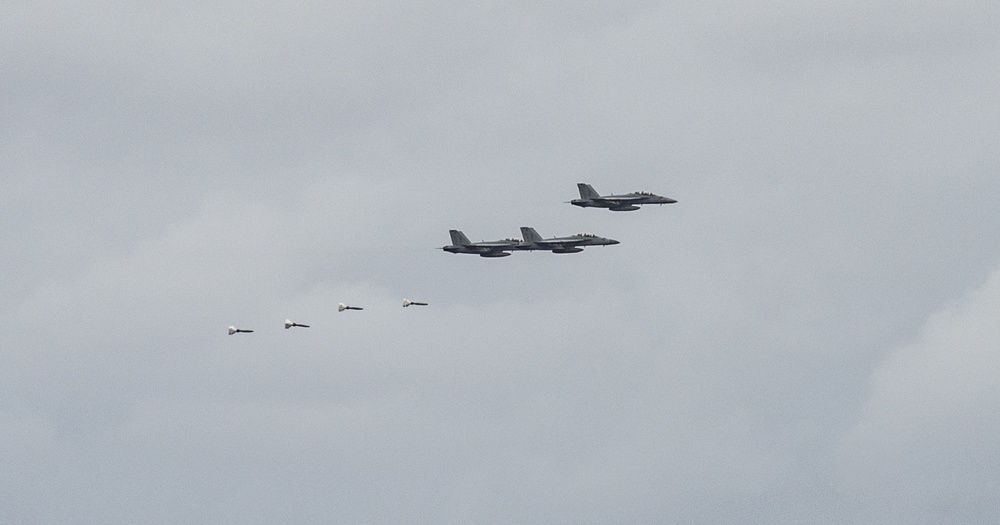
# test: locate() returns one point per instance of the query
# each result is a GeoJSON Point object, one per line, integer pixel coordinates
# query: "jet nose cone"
{"type": "Point", "coordinates": [612, 241]}
{"type": "Point", "coordinates": [668, 200]}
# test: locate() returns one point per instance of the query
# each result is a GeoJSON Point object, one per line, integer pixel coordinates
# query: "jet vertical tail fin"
{"type": "Point", "coordinates": [458, 238]}
{"type": "Point", "coordinates": [587, 191]}
{"type": "Point", "coordinates": [529, 234]}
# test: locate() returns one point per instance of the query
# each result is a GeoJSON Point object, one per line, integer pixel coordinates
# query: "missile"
{"type": "Point", "coordinates": [289, 324]}
{"type": "Point", "coordinates": [341, 307]}
{"type": "Point", "coordinates": [407, 302]}
{"type": "Point", "coordinates": [234, 330]}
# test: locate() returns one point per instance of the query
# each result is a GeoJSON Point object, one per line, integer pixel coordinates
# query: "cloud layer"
{"type": "Point", "coordinates": [804, 337]}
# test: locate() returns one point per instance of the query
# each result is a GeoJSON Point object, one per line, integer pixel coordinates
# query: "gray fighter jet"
{"type": "Point", "coordinates": [461, 244]}
{"type": "Point", "coordinates": [570, 244]}
{"type": "Point", "coordinates": [589, 198]}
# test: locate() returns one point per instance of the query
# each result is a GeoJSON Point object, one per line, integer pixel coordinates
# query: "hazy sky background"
{"type": "Point", "coordinates": [809, 336]}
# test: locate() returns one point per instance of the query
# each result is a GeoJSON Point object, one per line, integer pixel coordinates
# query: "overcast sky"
{"type": "Point", "coordinates": [810, 335]}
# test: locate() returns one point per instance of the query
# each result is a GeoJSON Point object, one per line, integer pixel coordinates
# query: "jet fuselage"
{"type": "Point", "coordinates": [589, 198]}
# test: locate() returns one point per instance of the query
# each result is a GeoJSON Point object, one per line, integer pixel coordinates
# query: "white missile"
{"type": "Point", "coordinates": [407, 302]}
{"type": "Point", "coordinates": [234, 330]}
{"type": "Point", "coordinates": [341, 307]}
{"type": "Point", "coordinates": [289, 324]}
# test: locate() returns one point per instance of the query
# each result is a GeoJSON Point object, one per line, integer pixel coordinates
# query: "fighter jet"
{"type": "Point", "coordinates": [460, 244]}
{"type": "Point", "coordinates": [407, 302]}
{"type": "Point", "coordinates": [570, 244]}
{"type": "Point", "coordinates": [234, 330]}
{"type": "Point", "coordinates": [290, 324]}
{"type": "Point", "coordinates": [341, 307]}
{"type": "Point", "coordinates": [589, 198]}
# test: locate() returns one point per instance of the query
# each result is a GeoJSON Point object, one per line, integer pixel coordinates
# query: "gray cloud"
{"type": "Point", "coordinates": [766, 350]}
{"type": "Point", "coordinates": [925, 431]}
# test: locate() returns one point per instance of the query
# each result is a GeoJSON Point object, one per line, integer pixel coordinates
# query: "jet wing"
{"type": "Point", "coordinates": [619, 199]}
{"type": "Point", "coordinates": [558, 243]}
{"type": "Point", "coordinates": [486, 247]}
